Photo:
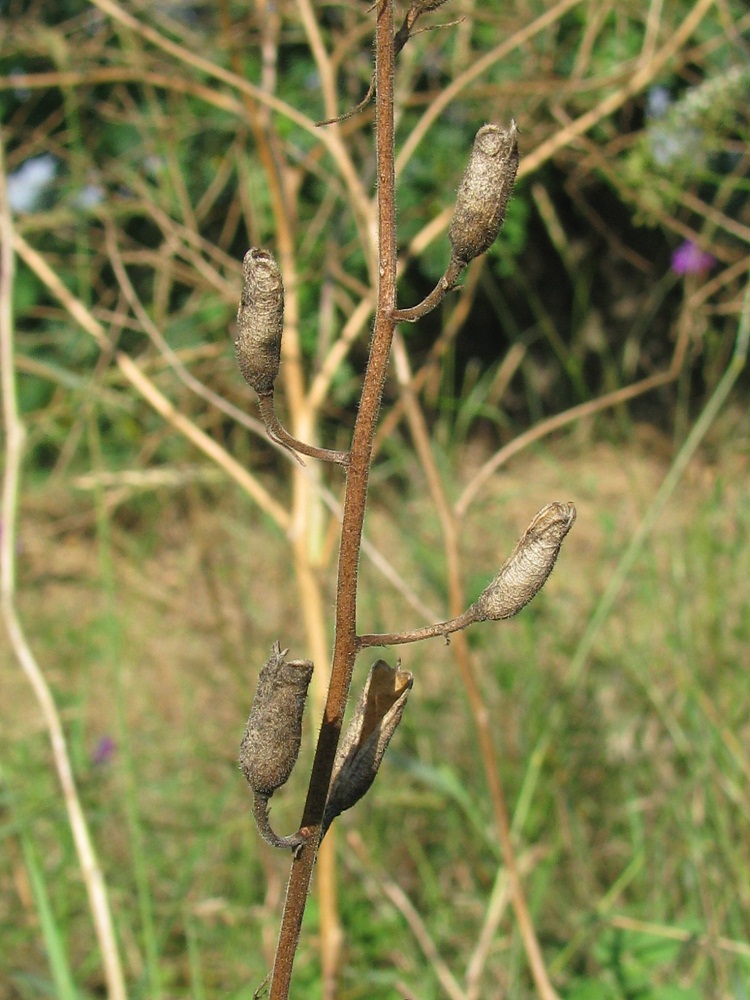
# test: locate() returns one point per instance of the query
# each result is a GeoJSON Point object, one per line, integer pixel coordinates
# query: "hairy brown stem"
{"type": "Point", "coordinates": [345, 642]}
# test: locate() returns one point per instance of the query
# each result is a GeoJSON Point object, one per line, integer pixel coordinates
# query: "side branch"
{"type": "Point", "coordinates": [520, 579]}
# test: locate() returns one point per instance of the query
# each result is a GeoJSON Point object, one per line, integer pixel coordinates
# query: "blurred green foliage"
{"type": "Point", "coordinates": [151, 156]}
{"type": "Point", "coordinates": [627, 788]}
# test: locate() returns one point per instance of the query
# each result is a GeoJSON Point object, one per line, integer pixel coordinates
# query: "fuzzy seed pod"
{"type": "Point", "coordinates": [274, 729]}
{"type": "Point", "coordinates": [260, 319]}
{"type": "Point", "coordinates": [524, 574]}
{"type": "Point", "coordinates": [367, 736]}
{"type": "Point", "coordinates": [484, 192]}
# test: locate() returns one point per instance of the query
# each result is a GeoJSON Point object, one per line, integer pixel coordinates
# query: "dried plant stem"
{"type": "Point", "coordinates": [648, 70]}
{"type": "Point", "coordinates": [462, 656]}
{"type": "Point", "coordinates": [304, 411]}
{"type": "Point", "coordinates": [452, 323]}
{"type": "Point", "coordinates": [401, 902]}
{"type": "Point", "coordinates": [201, 440]}
{"type": "Point", "coordinates": [475, 70]}
{"type": "Point", "coordinates": [707, 417]}
{"type": "Point", "coordinates": [146, 387]}
{"type": "Point", "coordinates": [314, 613]}
{"type": "Point", "coordinates": [305, 501]}
{"type": "Point", "coordinates": [497, 904]}
{"type": "Point", "coordinates": [353, 515]}
{"type": "Point", "coordinates": [14, 436]}
{"type": "Point", "coordinates": [121, 74]}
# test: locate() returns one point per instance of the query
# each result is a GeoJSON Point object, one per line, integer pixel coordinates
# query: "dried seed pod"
{"type": "Point", "coordinates": [274, 729]}
{"type": "Point", "coordinates": [260, 320]}
{"type": "Point", "coordinates": [367, 736]}
{"type": "Point", "coordinates": [484, 192]}
{"type": "Point", "coordinates": [524, 574]}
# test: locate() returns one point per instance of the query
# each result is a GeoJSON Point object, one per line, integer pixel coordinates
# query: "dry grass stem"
{"type": "Point", "coordinates": [91, 872]}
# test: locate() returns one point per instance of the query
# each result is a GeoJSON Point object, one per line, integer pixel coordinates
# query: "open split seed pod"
{"type": "Point", "coordinates": [378, 713]}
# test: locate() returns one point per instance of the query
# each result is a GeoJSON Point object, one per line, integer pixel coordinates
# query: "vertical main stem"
{"type": "Point", "coordinates": [355, 499]}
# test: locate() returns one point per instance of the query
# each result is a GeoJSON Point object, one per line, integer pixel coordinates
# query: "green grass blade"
{"type": "Point", "coordinates": [53, 939]}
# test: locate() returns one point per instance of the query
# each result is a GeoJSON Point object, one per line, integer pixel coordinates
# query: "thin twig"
{"type": "Point", "coordinates": [330, 139]}
{"type": "Point", "coordinates": [139, 379]}
{"type": "Point", "coordinates": [446, 284]}
{"type": "Point", "coordinates": [201, 440]}
{"type": "Point", "coordinates": [498, 902]}
{"type": "Point", "coordinates": [475, 70]}
{"type": "Point", "coordinates": [638, 82]}
{"type": "Point", "coordinates": [401, 902]}
{"type": "Point", "coordinates": [441, 630]}
{"type": "Point", "coordinates": [667, 488]}
{"type": "Point", "coordinates": [278, 433]}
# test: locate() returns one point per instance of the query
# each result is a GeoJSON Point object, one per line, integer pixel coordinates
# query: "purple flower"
{"type": "Point", "coordinates": [690, 259]}
{"type": "Point", "coordinates": [103, 751]}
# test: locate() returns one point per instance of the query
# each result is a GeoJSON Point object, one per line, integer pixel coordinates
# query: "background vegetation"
{"type": "Point", "coordinates": [582, 361]}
